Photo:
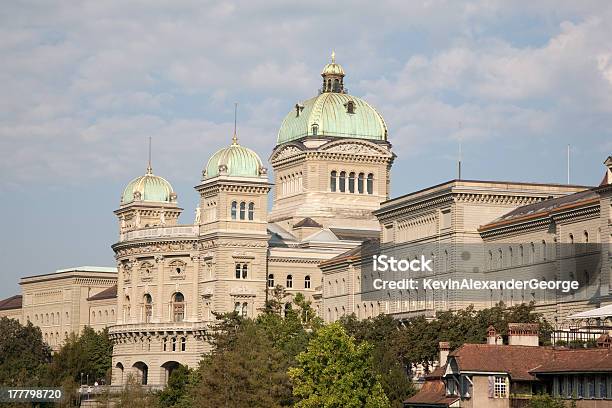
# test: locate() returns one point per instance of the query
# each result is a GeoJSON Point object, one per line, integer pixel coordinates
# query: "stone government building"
{"type": "Point", "coordinates": [331, 165]}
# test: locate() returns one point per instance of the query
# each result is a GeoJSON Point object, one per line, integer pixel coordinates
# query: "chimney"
{"type": "Point", "coordinates": [444, 348]}
{"type": "Point", "coordinates": [491, 335]}
{"type": "Point", "coordinates": [523, 334]}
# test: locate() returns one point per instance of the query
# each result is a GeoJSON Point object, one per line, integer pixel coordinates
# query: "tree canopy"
{"type": "Point", "coordinates": [23, 354]}
{"type": "Point", "coordinates": [336, 372]}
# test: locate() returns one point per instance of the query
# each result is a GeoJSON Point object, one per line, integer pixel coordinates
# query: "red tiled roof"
{"type": "Point", "coordinates": [577, 360]}
{"type": "Point", "coordinates": [518, 361]}
{"type": "Point", "coordinates": [14, 302]}
{"type": "Point", "coordinates": [433, 392]}
{"type": "Point", "coordinates": [108, 293]}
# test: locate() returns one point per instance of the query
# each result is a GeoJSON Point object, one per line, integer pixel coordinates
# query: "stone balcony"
{"type": "Point", "coordinates": [159, 232]}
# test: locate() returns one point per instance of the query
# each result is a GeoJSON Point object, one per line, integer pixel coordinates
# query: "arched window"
{"type": "Point", "coordinates": [148, 307]}
{"type": "Point", "coordinates": [178, 307]}
{"type": "Point", "coordinates": [289, 281]}
{"type": "Point", "coordinates": [242, 210]}
{"type": "Point", "coordinates": [234, 209]}
{"type": "Point", "coordinates": [351, 184]}
{"type": "Point", "coordinates": [245, 309]}
{"type": "Point", "coordinates": [307, 282]}
{"type": "Point", "coordinates": [370, 183]}
{"type": "Point", "coordinates": [183, 344]}
{"type": "Point", "coordinates": [350, 107]}
{"type": "Point", "coordinates": [336, 85]}
{"type": "Point", "coordinates": [271, 280]}
{"type": "Point", "coordinates": [242, 271]}
{"type": "Point", "coordinates": [174, 344]}
{"type": "Point", "coordinates": [165, 344]}
{"type": "Point", "coordinates": [333, 181]}
{"type": "Point", "coordinates": [251, 211]}
{"type": "Point", "coordinates": [360, 183]}
{"type": "Point", "coordinates": [342, 182]}
{"type": "Point", "coordinates": [544, 250]}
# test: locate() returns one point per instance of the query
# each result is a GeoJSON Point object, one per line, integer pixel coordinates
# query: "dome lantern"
{"type": "Point", "coordinates": [333, 76]}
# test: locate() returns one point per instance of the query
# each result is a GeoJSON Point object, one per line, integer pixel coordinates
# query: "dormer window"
{"type": "Point", "coordinates": [298, 109]}
{"type": "Point", "coordinates": [315, 129]}
{"type": "Point", "coordinates": [350, 107]}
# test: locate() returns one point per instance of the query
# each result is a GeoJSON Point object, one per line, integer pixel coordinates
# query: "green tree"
{"type": "Point", "coordinates": [248, 371]}
{"type": "Point", "coordinates": [23, 354]}
{"type": "Point", "coordinates": [336, 372]}
{"type": "Point", "coordinates": [382, 332]}
{"type": "Point", "coordinates": [89, 353]}
{"type": "Point", "coordinates": [175, 392]}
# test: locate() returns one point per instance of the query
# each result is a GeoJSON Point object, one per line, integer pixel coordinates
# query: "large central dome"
{"type": "Point", "coordinates": [333, 113]}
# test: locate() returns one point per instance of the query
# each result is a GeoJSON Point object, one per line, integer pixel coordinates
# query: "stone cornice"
{"type": "Point", "coordinates": [293, 260]}
{"type": "Point", "coordinates": [428, 203]}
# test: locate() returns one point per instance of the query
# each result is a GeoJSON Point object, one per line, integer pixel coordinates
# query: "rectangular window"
{"type": "Point", "coordinates": [500, 389]}
{"type": "Point", "coordinates": [603, 387]}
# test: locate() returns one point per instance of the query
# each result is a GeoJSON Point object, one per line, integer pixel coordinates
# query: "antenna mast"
{"type": "Point", "coordinates": [235, 137]}
{"type": "Point", "coordinates": [460, 154]}
{"type": "Point", "coordinates": [568, 163]}
{"type": "Point", "coordinates": [149, 168]}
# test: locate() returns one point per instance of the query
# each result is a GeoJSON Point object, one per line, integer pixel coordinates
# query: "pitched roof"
{"type": "Point", "coordinates": [108, 293]}
{"type": "Point", "coordinates": [544, 208]}
{"type": "Point", "coordinates": [355, 234]}
{"type": "Point", "coordinates": [517, 361]}
{"type": "Point", "coordinates": [433, 392]}
{"type": "Point", "coordinates": [307, 223]}
{"type": "Point", "coordinates": [14, 302]}
{"type": "Point", "coordinates": [577, 360]}
{"type": "Point", "coordinates": [369, 246]}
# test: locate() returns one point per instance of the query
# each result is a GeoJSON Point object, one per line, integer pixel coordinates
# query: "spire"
{"type": "Point", "coordinates": [235, 137]}
{"type": "Point", "coordinates": [149, 168]}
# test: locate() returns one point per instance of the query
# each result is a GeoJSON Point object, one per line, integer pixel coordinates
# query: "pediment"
{"type": "Point", "coordinates": [355, 147]}
{"type": "Point", "coordinates": [285, 152]}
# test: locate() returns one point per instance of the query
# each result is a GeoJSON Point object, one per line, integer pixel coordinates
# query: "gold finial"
{"type": "Point", "coordinates": [235, 137]}
{"type": "Point", "coordinates": [333, 57]}
{"type": "Point", "coordinates": [149, 168]}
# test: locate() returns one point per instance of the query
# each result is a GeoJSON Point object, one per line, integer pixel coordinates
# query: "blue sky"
{"type": "Point", "coordinates": [84, 85]}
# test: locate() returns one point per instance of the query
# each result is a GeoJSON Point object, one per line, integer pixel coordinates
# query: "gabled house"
{"type": "Point", "coordinates": [496, 375]}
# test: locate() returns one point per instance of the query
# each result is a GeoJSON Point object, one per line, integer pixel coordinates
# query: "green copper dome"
{"type": "Point", "coordinates": [234, 160]}
{"type": "Point", "coordinates": [148, 188]}
{"type": "Point", "coordinates": [333, 113]}
{"type": "Point", "coordinates": [329, 114]}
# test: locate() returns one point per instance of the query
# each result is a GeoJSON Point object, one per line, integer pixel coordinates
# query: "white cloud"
{"type": "Point", "coordinates": [85, 84]}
